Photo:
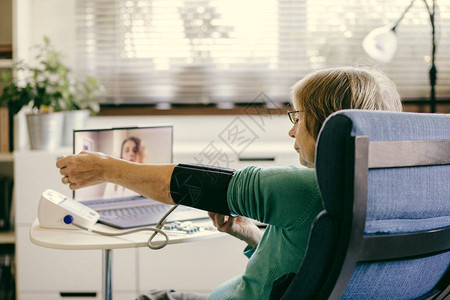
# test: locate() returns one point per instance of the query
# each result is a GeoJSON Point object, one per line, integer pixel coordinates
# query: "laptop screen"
{"type": "Point", "coordinates": [149, 144]}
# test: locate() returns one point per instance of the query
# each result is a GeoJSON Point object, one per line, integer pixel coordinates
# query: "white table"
{"type": "Point", "coordinates": [77, 239]}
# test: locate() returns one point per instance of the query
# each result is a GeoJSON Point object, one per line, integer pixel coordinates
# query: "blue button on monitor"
{"type": "Point", "coordinates": [68, 219]}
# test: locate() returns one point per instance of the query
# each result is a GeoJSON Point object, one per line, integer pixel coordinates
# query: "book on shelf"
{"type": "Point", "coordinates": [6, 187]}
{"type": "Point", "coordinates": [6, 51]}
{"type": "Point", "coordinates": [4, 129]}
{"type": "Point", "coordinates": [12, 208]}
{"type": "Point", "coordinates": [7, 275]}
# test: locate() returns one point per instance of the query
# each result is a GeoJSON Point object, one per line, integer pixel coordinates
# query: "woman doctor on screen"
{"type": "Point", "coordinates": [286, 198]}
{"type": "Point", "coordinates": [132, 150]}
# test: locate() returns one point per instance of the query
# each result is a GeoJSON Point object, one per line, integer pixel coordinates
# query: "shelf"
{"type": "Point", "coordinates": [8, 237]}
{"type": "Point", "coordinates": [6, 157]}
{"type": "Point", "coordinates": [6, 63]}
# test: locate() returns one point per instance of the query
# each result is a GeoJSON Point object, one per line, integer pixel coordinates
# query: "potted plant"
{"type": "Point", "coordinates": [48, 90]}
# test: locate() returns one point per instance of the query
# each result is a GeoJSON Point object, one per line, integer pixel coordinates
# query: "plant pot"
{"type": "Point", "coordinates": [74, 119]}
{"type": "Point", "coordinates": [45, 130]}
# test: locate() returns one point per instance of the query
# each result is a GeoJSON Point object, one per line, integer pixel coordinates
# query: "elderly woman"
{"type": "Point", "coordinates": [286, 198]}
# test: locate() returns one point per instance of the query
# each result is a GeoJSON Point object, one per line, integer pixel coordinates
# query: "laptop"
{"type": "Point", "coordinates": [119, 207]}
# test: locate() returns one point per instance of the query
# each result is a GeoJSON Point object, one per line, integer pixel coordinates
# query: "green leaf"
{"type": "Point", "coordinates": [49, 83]}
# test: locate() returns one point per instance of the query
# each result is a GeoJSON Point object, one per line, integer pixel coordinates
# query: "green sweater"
{"type": "Point", "coordinates": [288, 200]}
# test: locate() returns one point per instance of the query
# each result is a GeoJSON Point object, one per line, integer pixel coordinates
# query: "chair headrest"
{"type": "Point", "coordinates": [378, 126]}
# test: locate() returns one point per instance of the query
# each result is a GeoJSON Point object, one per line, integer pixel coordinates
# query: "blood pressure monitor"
{"type": "Point", "coordinates": [59, 211]}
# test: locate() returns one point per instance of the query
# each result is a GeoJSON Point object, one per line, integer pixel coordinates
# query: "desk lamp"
{"type": "Point", "coordinates": [381, 44]}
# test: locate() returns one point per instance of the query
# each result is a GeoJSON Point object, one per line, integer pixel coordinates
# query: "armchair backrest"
{"type": "Point", "coordinates": [385, 232]}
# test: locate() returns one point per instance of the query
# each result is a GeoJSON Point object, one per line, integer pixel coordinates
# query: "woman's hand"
{"type": "Point", "coordinates": [84, 169]}
{"type": "Point", "coordinates": [240, 227]}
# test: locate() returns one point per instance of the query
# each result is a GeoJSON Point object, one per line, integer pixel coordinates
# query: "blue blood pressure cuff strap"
{"type": "Point", "coordinates": [200, 186]}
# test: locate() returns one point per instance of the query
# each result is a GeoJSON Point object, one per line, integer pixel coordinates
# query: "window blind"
{"type": "Point", "coordinates": [212, 51]}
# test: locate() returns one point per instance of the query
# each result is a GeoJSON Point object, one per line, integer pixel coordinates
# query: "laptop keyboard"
{"type": "Point", "coordinates": [139, 211]}
{"type": "Point", "coordinates": [133, 211]}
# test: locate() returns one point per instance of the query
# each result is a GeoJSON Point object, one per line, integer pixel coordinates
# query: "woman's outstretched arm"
{"type": "Point", "coordinates": [90, 168]}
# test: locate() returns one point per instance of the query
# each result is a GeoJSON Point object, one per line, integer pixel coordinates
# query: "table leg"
{"type": "Point", "coordinates": [107, 274]}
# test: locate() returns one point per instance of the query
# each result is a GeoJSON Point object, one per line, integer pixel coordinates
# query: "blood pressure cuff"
{"type": "Point", "coordinates": [202, 187]}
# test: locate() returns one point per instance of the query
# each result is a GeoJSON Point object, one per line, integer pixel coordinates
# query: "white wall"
{"type": "Point", "coordinates": [221, 138]}
{"type": "Point", "coordinates": [32, 20]}
{"type": "Point", "coordinates": [38, 18]}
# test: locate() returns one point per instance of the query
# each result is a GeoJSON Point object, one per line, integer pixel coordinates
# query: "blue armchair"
{"type": "Point", "coordinates": [385, 232]}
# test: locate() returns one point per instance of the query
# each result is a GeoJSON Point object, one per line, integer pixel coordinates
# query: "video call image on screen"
{"type": "Point", "coordinates": [140, 145]}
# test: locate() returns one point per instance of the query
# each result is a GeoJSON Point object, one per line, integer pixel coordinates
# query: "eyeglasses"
{"type": "Point", "coordinates": [293, 116]}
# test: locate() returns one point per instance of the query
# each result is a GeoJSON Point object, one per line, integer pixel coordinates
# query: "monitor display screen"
{"type": "Point", "coordinates": [149, 144]}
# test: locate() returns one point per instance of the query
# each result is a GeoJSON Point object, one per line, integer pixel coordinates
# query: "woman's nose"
{"type": "Point", "coordinates": [292, 132]}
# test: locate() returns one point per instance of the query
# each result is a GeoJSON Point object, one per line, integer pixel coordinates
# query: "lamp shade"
{"type": "Point", "coordinates": [381, 44]}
